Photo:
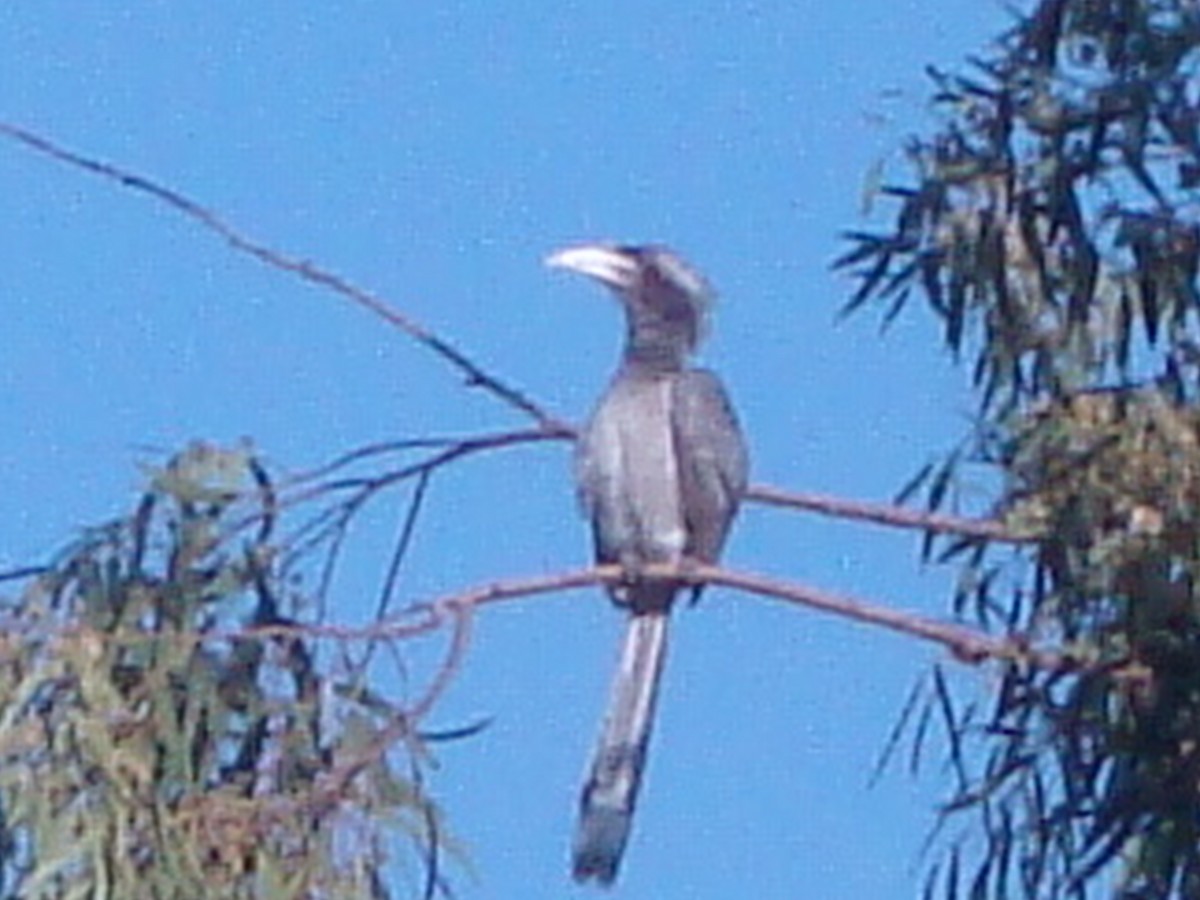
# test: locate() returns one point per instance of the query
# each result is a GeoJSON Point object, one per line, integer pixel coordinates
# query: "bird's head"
{"type": "Point", "coordinates": [666, 300]}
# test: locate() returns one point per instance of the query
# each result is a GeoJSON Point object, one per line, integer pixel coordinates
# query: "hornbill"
{"type": "Point", "coordinates": [660, 469]}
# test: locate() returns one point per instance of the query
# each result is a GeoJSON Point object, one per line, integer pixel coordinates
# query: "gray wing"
{"type": "Point", "coordinates": [712, 458]}
{"type": "Point", "coordinates": [597, 472]}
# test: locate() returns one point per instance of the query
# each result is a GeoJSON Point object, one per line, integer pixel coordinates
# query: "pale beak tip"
{"type": "Point", "coordinates": [604, 262]}
{"type": "Point", "coordinates": [557, 259]}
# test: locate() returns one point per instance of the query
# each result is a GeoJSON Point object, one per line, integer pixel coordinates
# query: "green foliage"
{"type": "Point", "coordinates": [1053, 229]}
{"type": "Point", "coordinates": [168, 728]}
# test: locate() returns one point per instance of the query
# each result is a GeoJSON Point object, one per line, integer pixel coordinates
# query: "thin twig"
{"type": "Point", "coordinates": [408, 530]}
{"type": "Point", "coordinates": [460, 640]}
{"type": "Point", "coordinates": [967, 644]}
{"type": "Point", "coordinates": [474, 375]}
{"type": "Point", "coordinates": [887, 514]}
{"type": "Point", "coordinates": [449, 450]}
{"type": "Point", "coordinates": [24, 572]}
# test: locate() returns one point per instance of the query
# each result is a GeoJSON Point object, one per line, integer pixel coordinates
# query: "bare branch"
{"type": "Point", "coordinates": [887, 514]}
{"type": "Point", "coordinates": [766, 494]}
{"type": "Point", "coordinates": [23, 573]}
{"type": "Point", "coordinates": [474, 374]}
{"type": "Point", "coordinates": [967, 644]}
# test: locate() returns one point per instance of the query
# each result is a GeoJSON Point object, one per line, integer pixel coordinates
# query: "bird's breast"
{"type": "Point", "coordinates": [629, 473]}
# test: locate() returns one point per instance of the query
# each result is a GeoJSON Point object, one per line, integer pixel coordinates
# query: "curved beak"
{"type": "Point", "coordinates": [607, 264]}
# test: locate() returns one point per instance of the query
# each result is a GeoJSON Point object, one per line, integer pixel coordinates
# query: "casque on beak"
{"type": "Point", "coordinates": [606, 263]}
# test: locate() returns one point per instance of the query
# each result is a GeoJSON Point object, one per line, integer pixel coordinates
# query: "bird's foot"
{"type": "Point", "coordinates": [623, 591]}
{"type": "Point", "coordinates": [688, 567]}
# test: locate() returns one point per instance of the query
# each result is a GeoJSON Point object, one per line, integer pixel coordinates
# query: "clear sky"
{"type": "Point", "coordinates": [434, 152]}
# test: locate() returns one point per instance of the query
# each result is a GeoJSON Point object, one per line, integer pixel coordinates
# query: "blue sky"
{"type": "Point", "coordinates": [434, 153]}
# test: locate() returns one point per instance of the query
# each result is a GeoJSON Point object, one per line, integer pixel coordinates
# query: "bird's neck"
{"type": "Point", "coordinates": [653, 346]}
{"type": "Point", "coordinates": [653, 360]}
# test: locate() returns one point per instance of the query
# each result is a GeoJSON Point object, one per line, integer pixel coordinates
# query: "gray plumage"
{"type": "Point", "coordinates": [661, 467]}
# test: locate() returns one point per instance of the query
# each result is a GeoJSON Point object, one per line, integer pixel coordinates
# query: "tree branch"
{"type": "Point", "coordinates": [473, 373]}
{"type": "Point", "coordinates": [967, 644]}
{"type": "Point", "coordinates": [887, 514]}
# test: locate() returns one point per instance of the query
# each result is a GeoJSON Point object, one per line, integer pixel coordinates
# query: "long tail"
{"type": "Point", "coordinates": [607, 802]}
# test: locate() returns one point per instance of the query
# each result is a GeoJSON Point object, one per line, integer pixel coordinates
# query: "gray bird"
{"type": "Point", "coordinates": [660, 467]}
